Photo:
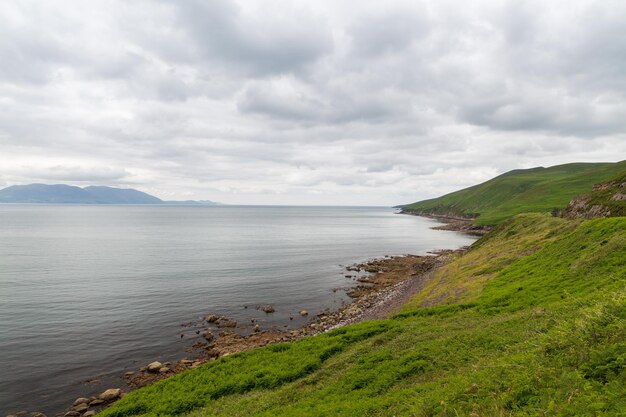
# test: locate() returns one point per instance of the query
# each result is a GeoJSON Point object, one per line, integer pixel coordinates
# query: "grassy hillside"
{"type": "Point", "coordinates": [606, 200]}
{"type": "Point", "coordinates": [520, 191]}
{"type": "Point", "coordinates": [531, 321]}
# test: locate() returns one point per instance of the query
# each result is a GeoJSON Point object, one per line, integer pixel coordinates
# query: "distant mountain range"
{"type": "Point", "coordinates": [68, 194]}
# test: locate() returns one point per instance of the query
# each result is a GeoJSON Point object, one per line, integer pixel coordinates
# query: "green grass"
{"type": "Point", "coordinates": [521, 191]}
{"type": "Point", "coordinates": [530, 322]}
{"type": "Point", "coordinates": [604, 197]}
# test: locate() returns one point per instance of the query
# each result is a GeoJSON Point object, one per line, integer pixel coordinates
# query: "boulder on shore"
{"type": "Point", "coordinates": [155, 366]}
{"type": "Point", "coordinates": [268, 309]}
{"type": "Point", "coordinates": [226, 323]}
{"type": "Point", "coordinates": [111, 394]}
{"type": "Point", "coordinates": [304, 313]}
{"type": "Point", "coordinates": [81, 407]}
{"type": "Point", "coordinates": [81, 400]}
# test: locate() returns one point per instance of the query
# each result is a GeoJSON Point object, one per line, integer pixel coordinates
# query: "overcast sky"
{"type": "Point", "coordinates": [306, 102]}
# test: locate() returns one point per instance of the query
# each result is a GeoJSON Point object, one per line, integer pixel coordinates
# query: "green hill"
{"type": "Point", "coordinates": [531, 321]}
{"type": "Point", "coordinates": [520, 191]}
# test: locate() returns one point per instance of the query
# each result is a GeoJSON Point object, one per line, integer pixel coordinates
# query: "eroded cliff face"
{"type": "Point", "coordinates": [605, 200]}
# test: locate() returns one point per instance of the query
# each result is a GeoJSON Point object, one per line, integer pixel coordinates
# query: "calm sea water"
{"type": "Point", "coordinates": [88, 292]}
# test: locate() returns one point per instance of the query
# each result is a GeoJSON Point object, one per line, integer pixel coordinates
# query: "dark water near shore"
{"type": "Point", "coordinates": [91, 291]}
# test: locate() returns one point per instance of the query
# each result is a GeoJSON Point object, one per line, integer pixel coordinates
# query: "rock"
{"type": "Point", "coordinates": [80, 407]}
{"type": "Point", "coordinates": [164, 370]}
{"type": "Point", "coordinates": [208, 335]}
{"type": "Point", "coordinates": [212, 318]}
{"type": "Point", "coordinates": [111, 394]}
{"type": "Point", "coordinates": [304, 313]}
{"type": "Point", "coordinates": [154, 366]}
{"type": "Point", "coordinates": [96, 401]}
{"type": "Point", "coordinates": [38, 415]}
{"type": "Point", "coordinates": [257, 328]}
{"type": "Point", "coordinates": [89, 413]}
{"type": "Point", "coordinates": [21, 413]}
{"type": "Point", "coordinates": [619, 197]}
{"type": "Point", "coordinates": [268, 309]}
{"type": "Point", "coordinates": [72, 414]}
{"type": "Point", "coordinates": [81, 400]}
{"type": "Point", "coordinates": [186, 361]}
{"type": "Point", "coordinates": [129, 373]}
{"type": "Point", "coordinates": [227, 323]}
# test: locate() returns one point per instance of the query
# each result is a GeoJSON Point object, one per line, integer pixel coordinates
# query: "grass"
{"type": "Point", "coordinates": [521, 191]}
{"type": "Point", "coordinates": [604, 197]}
{"type": "Point", "coordinates": [530, 322]}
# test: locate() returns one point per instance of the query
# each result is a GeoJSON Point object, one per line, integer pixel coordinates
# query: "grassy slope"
{"type": "Point", "coordinates": [604, 197]}
{"type": "Point", "coordinates": [520, 191]}
{"type": "Point", "coordinates": [532, 321]}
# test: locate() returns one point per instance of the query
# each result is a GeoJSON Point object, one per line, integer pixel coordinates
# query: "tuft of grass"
{"type": "Point", "coordinates": [539, 328]}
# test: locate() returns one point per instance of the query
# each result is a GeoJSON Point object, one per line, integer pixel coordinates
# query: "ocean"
{"type": "Point", "coordinates": [88, 292]}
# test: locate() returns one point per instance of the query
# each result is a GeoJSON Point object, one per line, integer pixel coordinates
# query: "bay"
{"type": "Point", "coordinates": [90, 291]}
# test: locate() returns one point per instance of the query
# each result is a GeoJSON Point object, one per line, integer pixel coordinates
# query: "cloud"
{"type": "Point", "coordinates": [325, 102]}
{"type": "Point", "coordinates": [265, 39]}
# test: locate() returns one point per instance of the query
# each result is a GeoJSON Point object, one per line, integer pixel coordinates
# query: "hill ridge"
{"type": "Point", "coordinates": [536, 189]}
{"type": "Point", "coordinates": [38, 193]}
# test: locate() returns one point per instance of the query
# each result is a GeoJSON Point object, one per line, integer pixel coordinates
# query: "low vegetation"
{"type": "Point", "coordinates": [605, 200]}
{"type": "Point", "coordinates": [531, 321]}
{"type": "Point", "coordinates": [521, 191]}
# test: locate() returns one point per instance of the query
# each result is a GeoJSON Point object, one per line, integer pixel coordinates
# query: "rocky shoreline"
{"type": "Point", "coordinates": [452, 223]}
{"type": "Point", "coordinates": [384, 285]}
{"type": "Point", "coordinates": [378, 295]}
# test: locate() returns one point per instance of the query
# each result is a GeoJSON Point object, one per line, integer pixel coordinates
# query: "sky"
{"type": "Point", "coordinates": [301, 102]}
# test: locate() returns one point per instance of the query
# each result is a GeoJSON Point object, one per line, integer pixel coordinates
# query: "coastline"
{"type": "Point", "coordinates": [388, 284]}
{"type": "Point", "coordinates": [383, 286]}
{"type": "Point", "coordinates": [452, 223]}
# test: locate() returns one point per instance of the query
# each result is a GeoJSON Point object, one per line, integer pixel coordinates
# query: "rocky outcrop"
{"type": "Point", "coordinates": [453, 222]}
{"type": "Point", "coordinates": [607, 199]}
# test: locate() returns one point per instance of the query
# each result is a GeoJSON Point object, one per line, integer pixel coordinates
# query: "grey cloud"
{"type": "Point", "coordinates": [274, 44]}
{"type": "Point", "coordinates": [391, 31]}
{"type": "Point", "coordinates": [282, 99]}
{"type": "Point", "coordinates": [28, 52]}
{"type": "Point", "coordinates": [74, 174]}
